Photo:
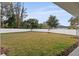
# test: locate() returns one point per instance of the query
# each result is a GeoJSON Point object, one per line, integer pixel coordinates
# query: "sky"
{"type": "Point", "coordinates": [42, 10]}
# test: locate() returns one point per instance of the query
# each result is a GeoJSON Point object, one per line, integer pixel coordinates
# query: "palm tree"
{"type": "Point", "coordinates": [52, 22]}
{"type": "Point", "coordinates": [74, 22]}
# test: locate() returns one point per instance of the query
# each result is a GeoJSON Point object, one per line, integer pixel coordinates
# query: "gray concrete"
{"type": "Point", "coordinates": [75, 52]}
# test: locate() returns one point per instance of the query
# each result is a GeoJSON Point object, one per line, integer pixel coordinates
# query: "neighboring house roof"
{"type": "Point", "coordinates": [71, 7]}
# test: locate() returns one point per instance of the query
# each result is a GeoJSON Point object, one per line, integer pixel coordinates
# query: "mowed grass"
{"type": "Point", "coordinates": [36, 43]}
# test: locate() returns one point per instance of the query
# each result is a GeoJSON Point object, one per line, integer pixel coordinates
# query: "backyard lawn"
{"type": "Point", "coordinates": [36, 43]}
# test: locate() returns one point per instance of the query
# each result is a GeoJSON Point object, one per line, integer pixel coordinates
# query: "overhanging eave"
{"type": "Point", "coordinates": [71, 7]}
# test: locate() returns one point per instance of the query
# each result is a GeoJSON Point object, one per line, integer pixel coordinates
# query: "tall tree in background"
{"type": "Point", "coordinates": [11, 16]}
{"type": "Point", "coordinates": [9, 9]}
{"type": "Point", "coordinates": [20, 13]}
{"type": "Point", "coordinates": [43, 25]}
{"type": "Point", "coordinates": [17, 13]}
{"type": "Point", "coordinates": [32, 23]}
{"type": "Point", "coordinates": [3, 12]}
{"type": "Point", "coordinates": [74, 22]}
{"type": "Point", "coordinates": [11, 22]}
{"type": "Point", "coordinates": [52, 22]}
{"type": "Point", "coordinates": [26, 25]}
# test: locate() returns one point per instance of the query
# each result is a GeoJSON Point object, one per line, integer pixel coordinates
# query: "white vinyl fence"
{"type": "Point", "coordinates": [61, 31]}
{"type": "Point", "coordinates": [77, 32]}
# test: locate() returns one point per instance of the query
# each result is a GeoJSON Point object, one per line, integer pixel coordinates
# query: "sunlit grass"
{"type": "Point", "coordinates": [36, 43]}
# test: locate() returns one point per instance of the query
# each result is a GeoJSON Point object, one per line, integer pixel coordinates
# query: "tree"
{"type": "Point", "coordinates": [43, 25]}
{"type": "Point", "coordinates": [25, 24]}
{"type": "Point", "coordinates": [10, 14]}
{"type": "Point", "coordinates": [11, 22]}
{"type": "Point", "coordinates": [9, 9]}
{"type": "Point", "coordinates": [20, 13]}
{"type": "Point", "coordinates": [40, 25]}
{"type": "Point", "coordinates": [32, 23]}
{"type": "Point", "coordinates": [74, 22]}
{"type": "Point", "coordinates": [5, 7]}
{"type": "Point", "coordinates": [52, 22]}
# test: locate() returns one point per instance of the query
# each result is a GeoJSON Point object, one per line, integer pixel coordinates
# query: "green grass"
{"type": "Point", "coordinates": [36, 43]}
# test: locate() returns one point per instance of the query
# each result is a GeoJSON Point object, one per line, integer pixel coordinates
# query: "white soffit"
{"type": "Point", "coordinates": [71, 7]}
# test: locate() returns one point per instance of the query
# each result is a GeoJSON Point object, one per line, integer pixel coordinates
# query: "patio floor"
{"type": "Point", "coordinates": [75, 52]}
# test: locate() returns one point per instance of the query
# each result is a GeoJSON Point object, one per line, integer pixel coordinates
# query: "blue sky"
{"type": "Point", "coordinates": [42, 10]}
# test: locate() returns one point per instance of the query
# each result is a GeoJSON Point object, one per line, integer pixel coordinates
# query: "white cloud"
{"type": "Point", "coordinates": [42, 14]}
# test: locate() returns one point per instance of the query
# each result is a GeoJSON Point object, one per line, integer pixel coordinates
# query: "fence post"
{"type": "Point", "coordinates": [77, 34]}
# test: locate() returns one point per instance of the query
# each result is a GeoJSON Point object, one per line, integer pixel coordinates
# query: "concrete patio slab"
{"type": "Point", "coordinates": [75, 52]}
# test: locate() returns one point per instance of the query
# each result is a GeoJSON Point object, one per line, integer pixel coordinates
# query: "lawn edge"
{"type": "Point", "coordinates": [68, 50]}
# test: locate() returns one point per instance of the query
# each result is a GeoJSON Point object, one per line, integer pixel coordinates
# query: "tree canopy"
{"type": "Point", "coordinates": [30, 23]}
{"type": "Point", "coordinates": [74, 22]}
{"type": "Point", "coordinates": [9, 9]}
{"type": "Point", "coordinates": [52, 22]}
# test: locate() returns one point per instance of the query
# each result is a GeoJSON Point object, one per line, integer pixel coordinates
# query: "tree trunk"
{"type": "Point", "coordinates": [48, 29]}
